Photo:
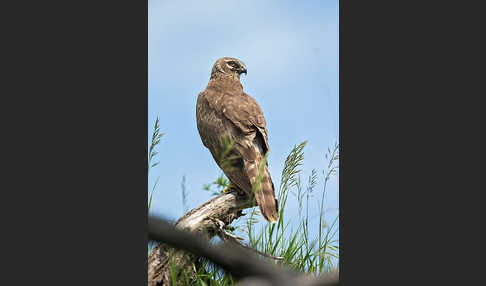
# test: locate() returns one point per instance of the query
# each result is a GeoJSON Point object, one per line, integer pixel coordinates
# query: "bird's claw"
{"type": "Point", "coordinates": [228, 188]}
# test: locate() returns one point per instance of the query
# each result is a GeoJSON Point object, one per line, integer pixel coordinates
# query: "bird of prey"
{"type": "Point", "coordinates": [224, 109]}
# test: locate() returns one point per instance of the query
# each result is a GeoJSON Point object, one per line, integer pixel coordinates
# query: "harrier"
{"type": "Point", "coordinates": [224, 109]}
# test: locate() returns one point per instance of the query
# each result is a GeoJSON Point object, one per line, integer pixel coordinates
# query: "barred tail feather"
{"type": "Point", "coordinates": [265, 197]}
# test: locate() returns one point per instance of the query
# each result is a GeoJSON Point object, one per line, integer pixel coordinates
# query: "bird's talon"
{"type": "Point", "coordinates": [228, 188]}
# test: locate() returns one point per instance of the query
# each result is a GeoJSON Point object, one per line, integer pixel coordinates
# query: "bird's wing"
{"type": "Point", "coordinates": [218, 113]}
{"type": "Point", "coordinates": [244, 112]}
{"type": "Point", "coordinates": [212, 125]}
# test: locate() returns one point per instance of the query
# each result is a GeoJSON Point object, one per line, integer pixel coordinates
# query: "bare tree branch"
{"type": "Point", "coordinates": [202, 221]}
{"type": "Point", "coordinates": [238, 261]}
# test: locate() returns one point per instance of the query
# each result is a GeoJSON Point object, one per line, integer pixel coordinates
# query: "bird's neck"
{"type": "Point", "coordinates": [227, 81]}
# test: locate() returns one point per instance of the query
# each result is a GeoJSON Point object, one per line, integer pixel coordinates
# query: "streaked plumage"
{"type": "Point", "coordinates": [223, 108]}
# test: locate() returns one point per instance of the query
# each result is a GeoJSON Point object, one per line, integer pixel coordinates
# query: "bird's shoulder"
{"type": "Point", "coordinates": [211, 96]}
{"type": "Point", "coordinates": [237, 106]}
{"type": "Point", "coordinates": [250, 107]}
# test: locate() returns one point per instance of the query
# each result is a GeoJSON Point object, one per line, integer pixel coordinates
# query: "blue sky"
{"type": "Point", "coordinates": [290, 49]}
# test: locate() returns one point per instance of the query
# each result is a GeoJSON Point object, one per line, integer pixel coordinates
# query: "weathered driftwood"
{"type": "Point", "coordinates": [205, 221]}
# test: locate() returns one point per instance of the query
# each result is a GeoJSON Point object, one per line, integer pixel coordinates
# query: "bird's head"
{"type": "Point", "coordinates": [228, 67]}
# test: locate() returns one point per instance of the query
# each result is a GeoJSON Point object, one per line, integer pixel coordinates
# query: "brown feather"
{"type": "Point", "coordinates": [223, 108]}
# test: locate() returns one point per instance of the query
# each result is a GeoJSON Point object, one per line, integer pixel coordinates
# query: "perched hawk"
{"type": "Point", "coordinates": [223, 109]}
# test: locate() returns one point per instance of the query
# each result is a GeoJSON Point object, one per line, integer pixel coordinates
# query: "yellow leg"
{"type": "Point", "coordinates": [229, 187]}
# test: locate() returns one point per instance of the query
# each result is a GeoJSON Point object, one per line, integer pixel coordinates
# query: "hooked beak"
{"type": "Point", "coordinates": [242, 68]}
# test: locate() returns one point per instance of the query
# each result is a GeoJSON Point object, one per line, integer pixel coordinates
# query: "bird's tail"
{"type": "Point", "coordinates": [265, 198]}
